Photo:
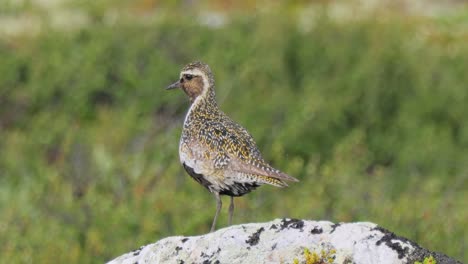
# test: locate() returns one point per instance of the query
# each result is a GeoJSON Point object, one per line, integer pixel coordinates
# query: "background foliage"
{"type": "Point", "coordinates": [370, 114]}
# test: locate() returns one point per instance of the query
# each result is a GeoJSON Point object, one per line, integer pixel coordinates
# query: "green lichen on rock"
{"type": "Point", "coordinates": [428, 260]}
{"type": "Point", "coordinates": [324, 257]}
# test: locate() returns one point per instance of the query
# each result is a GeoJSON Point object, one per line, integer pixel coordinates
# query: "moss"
{"type": "Point", "coordinates": [428, 260]}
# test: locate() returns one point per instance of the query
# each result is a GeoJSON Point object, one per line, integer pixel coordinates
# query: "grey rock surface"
{"type": "Point", "coordinates": [286, 241]}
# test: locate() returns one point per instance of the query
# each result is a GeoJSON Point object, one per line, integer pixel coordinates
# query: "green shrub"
{"type": "Point", "coordinates": [371, 119]}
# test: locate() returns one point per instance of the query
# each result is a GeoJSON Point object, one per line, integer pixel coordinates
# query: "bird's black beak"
{"type": "Point", "coordinates": [173, 86]}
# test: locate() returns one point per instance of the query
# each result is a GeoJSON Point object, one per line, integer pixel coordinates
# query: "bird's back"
{"type": "Point", "coordinates": [223, 152]}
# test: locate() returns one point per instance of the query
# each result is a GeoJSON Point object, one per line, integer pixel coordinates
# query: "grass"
{"type": "Point", "coordinates": [370, 115]}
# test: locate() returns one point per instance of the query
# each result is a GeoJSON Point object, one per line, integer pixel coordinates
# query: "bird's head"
{"type": "Point", "coordinates": [195, 80]}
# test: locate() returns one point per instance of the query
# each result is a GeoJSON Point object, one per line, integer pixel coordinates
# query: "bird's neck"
{"type": "Point", "coordinates": [205, 100]}
{"type": "Point", "coordinates": [204, 106]}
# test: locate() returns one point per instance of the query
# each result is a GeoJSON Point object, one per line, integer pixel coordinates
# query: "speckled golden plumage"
{"type": "Point", "coordinates": [216, 151]}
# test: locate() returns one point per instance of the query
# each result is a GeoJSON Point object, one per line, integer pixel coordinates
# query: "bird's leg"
{"type": "Point", "coordinates": [219, 204]}
{"type": "Point", "coordinates": [231, 210]}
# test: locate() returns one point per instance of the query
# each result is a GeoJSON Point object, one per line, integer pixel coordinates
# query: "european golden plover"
{"type": "Point", "coordinates": [216, 151]}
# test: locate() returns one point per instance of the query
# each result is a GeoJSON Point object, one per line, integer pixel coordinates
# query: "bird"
{"type": "Point", "coordinates": [215, 151]}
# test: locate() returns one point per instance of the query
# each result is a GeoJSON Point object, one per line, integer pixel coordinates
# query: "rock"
{"type": "Point", "coordinates": [286, 241]}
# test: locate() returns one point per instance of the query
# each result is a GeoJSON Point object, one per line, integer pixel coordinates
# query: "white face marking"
{"type": "Point", "coordinates": [197, 72]}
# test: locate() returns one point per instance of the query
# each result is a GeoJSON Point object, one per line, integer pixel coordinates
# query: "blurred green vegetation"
{"type": "Point", "coordinates": [370, 115]}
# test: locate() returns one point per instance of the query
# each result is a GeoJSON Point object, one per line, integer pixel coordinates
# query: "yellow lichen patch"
{"type": "Point", "coordinates": [324, 257]}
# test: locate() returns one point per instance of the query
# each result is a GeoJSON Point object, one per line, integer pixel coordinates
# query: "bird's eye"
{"type": "Point", "coordinates": [188, 76]}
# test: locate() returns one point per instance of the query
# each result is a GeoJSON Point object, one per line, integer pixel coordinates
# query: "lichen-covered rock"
{"type": "Point", "coordinates": [286, 241]}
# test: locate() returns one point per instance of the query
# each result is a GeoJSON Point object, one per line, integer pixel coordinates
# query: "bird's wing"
{"type": "Point", "coordinates": [258, 168]}
{"type": "Point", "coordinates": [238, 151]}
